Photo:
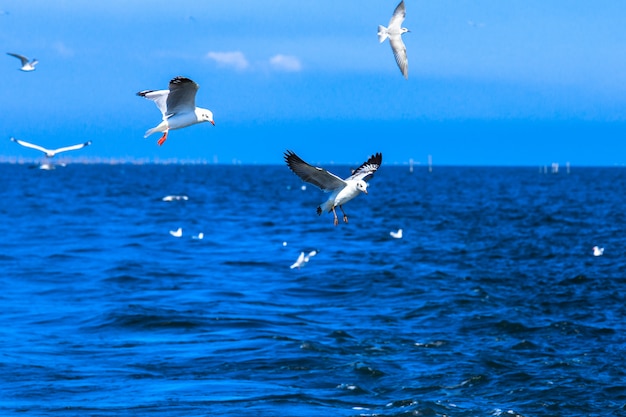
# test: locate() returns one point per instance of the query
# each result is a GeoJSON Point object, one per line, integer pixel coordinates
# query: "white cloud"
{"type": "Point", "coordinates": [285, 63]}
{"type": "Point", "coordinates": [235, 59]}
{"type": "Point", "coordinates": [63, 49]}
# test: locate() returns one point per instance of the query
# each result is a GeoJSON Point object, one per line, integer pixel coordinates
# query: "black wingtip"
{"type": "Point", "coordinates": [181, 80]}
{"type": "Point", "coordinates": [291, 157]}
{"type": "Point", "coordinates": [377, 159]}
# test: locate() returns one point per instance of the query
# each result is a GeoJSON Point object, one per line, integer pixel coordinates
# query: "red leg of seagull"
{"type": "Point", "coordinates": [336, 219]}
{"type": "Point", "coordinates": [163, 138]}
{"type": "Point", "coordinates": [345, 216]}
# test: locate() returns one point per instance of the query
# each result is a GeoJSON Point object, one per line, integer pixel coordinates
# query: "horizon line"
{"type": "Point", "coordinates": [15, 160]}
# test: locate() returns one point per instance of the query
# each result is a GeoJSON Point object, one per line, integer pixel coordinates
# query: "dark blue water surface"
{"type": "Point", "coordinates": [491, 304]}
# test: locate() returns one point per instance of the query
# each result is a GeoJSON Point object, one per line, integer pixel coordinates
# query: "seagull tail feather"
{"type": "Point", "coordinates": [150, 131]}
{"type": "Point", "coordinates": [382, 33]}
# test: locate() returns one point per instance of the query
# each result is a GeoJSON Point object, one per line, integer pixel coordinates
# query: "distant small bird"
{"type": "Point", "coordinates": [178, 107]}
{"type": "Point", "coordinates": [175, 198]}
{"type": "Point", "coordinates": [597, 251]}
{"type": "Point", "coordinates": [302, 259]}
{"type": "Point", "coordinates": [394, 32]}
{"type": "Point", "coordinates": [199, 236]}
{"type": "Point", "coordinates": [342, 190]}
{"type": "Point", "coordinates": [396, 235]}
{"type": "Point", "coordinates": [48, 167]}
{"type": "Point", "coordinates": [50, 153]}
{"type": "Point", "coordinates": [26, 64]}
{"type": "Point", "coordinates": [177, 233]}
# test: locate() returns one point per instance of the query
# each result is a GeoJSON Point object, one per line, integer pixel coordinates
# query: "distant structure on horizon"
{"type": "Point", "coordinates": [555, 167]}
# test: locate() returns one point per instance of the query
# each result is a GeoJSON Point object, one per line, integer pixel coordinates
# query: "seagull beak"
{"type": "Point", "coordinates": [365, 191]}
{"type": "Point", "coordinates": [212, 122]}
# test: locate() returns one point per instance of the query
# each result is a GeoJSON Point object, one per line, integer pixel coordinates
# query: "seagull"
{"type": "Point", "coordinates": [177, 233]}
{"type": "Point", "coordinates": [394, 32]}
{"type": "Point", "coordinates": [302, 259]}
{"type": "Point", "coordinates": [175, 198]}
{"type": "Point", "coordinates": [178, 106]}
{"type": "Point", "coordinates": [598, 251]}
{"type": "Point", "coordinates": [26, 65]}
{"type": "Point", "coordinates": [51, 152]}
{"type": "Point", "coordinates": [396, 235]}
{"type": "Point", "coordinates": [199, 236]}
{"type": "Point", "coordinates": [342, 190]}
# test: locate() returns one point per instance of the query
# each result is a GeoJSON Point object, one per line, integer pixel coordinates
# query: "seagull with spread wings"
{"type": "Point", "coordinates": [303, 258]}
{"type": "Point", "coordinates": [342, 190]}
{"type": "Point", "coordinates": [178, 107]}
{"type": "Point", "coordinates": [50, 153]}
{"type": "Point", "coordinates": [26, 64]}
{"type": "Point", "coordinates": [394, 32]}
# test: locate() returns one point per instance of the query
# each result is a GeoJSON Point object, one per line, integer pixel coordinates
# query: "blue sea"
{"type": "Point", "coordinates": [491, 304]}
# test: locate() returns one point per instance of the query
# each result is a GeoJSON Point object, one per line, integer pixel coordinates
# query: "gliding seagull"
{"type": "Point", "coordinates": [342, 190]}
{"type": "Point", "coordinates": [50, 153]}
{"type": "Point", "coordinates": [26, 65]}
{"type": "Point", "coordinates": [177, 233]}
{"type": "Point", "coordinates": [394, 33]}
{"type": "Point", "coordinates": [178, 107]}
{"type": "Point", "coordinates": [302, 259]}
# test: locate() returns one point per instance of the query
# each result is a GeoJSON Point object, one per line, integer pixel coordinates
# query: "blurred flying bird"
{"type": "Point", "coordinates": [302, 259]}
{"type": "Point", "coordinates": [26, 64]}
{"type": "Point", "coordinates": [50, 153]}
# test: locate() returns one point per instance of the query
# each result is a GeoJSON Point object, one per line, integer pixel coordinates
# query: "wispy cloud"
{"type": "Point", "coordinates": [286, 63]}
{"type": "Point", "coordinates": [235, 59]}
{"type": "Point", "coordinates": [238, 61]}
{"type": "Point", "coordinates": [63, 49]}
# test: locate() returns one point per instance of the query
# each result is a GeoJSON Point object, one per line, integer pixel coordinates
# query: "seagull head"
{"type": "Point", "coordinates": [205, 115]}
{"type": "Point", "coordinates": [361, 186]}
{"type": "Point", "coordinates": [404, 30]}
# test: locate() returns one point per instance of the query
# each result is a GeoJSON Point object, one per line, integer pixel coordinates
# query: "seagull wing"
{"type": "Point", "coordinates": [398, 16]}
{"type": "Point", "coordinates": [314, 175]}
{"type": "Point", "coordinates": [399, 53]}
{"type": "Point", "coordinates": [73, 147]}
{"type": "Point", "coordinates": [182, 97]}
{"type": "Point", "coordinates": [298, 262]}
{"type": "Point", "coordinates": [20, 57]}
{"type": "Point", "coordinates": [368, 168]}
{"type": "Point", "coordinates": [158, 96]}
{"type": "Point", "coordinates": [31, 145]}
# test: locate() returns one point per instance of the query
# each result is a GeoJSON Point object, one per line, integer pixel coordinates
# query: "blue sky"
{"type": "Point", "coordinates": [515, 82]}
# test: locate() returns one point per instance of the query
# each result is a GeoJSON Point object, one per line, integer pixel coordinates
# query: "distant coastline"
{"type": "Point", "coordinates": [14, 160]}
